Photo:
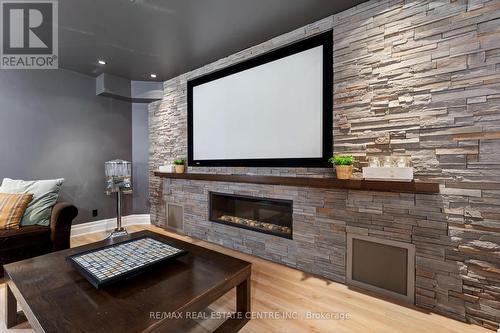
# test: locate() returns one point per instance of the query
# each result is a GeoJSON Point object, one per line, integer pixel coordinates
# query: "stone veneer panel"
{"type": "Point", "coordinates": [414, 78]}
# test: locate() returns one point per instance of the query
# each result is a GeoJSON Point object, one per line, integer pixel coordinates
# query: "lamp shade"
{"type": "Point", "coordinates": [118, 176]}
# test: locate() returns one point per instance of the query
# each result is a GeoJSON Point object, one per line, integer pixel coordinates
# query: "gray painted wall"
{"type": "Point", "coordinates": [146, 89]}
{"type": "Point", "coordinates": [140, 141]}
{"type": "Point", "coordinates": [52, 125]}
{"type": "Point", "coordinates": [140, 156]}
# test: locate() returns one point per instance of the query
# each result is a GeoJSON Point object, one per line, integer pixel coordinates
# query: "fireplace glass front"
{"type": "Point", "coordinates": [270, 216]}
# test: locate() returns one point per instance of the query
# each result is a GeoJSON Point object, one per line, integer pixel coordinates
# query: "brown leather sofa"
{"type": "Point", "coordinates": [31, 241]}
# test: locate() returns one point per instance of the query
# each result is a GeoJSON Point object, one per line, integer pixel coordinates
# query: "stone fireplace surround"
{"type": "Point", "coordinates": [321, 219]}
{"type": "Point", "coordinates": [410, 78]}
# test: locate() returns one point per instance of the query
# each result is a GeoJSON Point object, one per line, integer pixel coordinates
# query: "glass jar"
{"type": "Point", "coordinates": [388, 162]}
{"type": "Point", "coordinates": [374, 161]}
{"type": "Point", "coordinates": [401, 162]}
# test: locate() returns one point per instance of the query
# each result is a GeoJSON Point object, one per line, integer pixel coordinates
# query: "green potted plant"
{"type": "Point", "coordinates": [343, 165]}
{"type": "Point", "coordinates": [179, 165]}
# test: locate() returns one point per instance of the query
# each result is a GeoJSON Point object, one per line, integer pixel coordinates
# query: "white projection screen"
{"type": "Point", "coordinates": [269, 111]}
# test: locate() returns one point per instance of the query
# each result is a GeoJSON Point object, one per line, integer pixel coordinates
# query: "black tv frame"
{"type": "Point", "coordinates": [324, 39]}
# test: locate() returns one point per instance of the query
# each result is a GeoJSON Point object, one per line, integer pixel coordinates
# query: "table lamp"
{"type": "Point", "coordinates": [118, 180]}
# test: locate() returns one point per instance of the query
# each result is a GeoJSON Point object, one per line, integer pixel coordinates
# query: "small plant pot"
{"type": "Point", "coordinates": [179, 169]}
{"type": "Point", "coordinates": [343, 171]}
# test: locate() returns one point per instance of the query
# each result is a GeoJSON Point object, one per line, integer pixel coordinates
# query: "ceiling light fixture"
{"type": "Point", "coordinates": [102, 62]}
{"type": "Point", "coordinates": [153, 76]}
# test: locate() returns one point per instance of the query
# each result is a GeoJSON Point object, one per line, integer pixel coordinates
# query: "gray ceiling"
{"type": "Point", "coordinates": [170, 37]}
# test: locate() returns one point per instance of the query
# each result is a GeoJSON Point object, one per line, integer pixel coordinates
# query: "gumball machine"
{"type": "Point", "coordinates": [118, 180]}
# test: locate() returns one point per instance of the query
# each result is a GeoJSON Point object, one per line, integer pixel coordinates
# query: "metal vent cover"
{"type": "Point", "coordinates": [174, 217]}
{"type": "Point", "coordinates": [381, 265]}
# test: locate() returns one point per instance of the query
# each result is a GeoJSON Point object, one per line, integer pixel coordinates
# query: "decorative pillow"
{"type": "Point", "coordinates": [12, 207]}
{"type": "Point", "coordinates": [45, 194]}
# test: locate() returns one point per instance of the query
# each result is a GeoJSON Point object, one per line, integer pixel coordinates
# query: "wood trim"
{"type": "Point", "coordinates": [104, 225]}
{"type": "Point", "coordinates": [326, 183]}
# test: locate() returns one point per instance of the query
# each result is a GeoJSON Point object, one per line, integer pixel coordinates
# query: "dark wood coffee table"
{"type": "Point", "coordinates": [56, 298]}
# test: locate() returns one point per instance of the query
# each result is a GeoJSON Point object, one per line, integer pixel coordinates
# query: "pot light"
{"type": "Point", "coordinates": [101, 62]}
{"type": "Point", "coordinates": [153, 76]}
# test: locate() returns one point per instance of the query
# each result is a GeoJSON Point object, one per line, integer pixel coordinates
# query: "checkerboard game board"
{"type": "Point", "coordinates": [118, 261]}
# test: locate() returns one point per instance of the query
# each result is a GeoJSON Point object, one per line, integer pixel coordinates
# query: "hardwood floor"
{"type": "Point", "coordinates": [277, 290]}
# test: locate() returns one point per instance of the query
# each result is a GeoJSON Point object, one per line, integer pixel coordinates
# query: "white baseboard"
{"type": "Point", "coordinates": [108, 224]}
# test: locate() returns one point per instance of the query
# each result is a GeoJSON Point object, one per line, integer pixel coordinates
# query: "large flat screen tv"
{"type": "Point", "coordinates": [271, 110]}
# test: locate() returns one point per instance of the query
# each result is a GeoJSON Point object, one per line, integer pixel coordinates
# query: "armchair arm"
{"type": "Point", "coordinates": [61, 218]}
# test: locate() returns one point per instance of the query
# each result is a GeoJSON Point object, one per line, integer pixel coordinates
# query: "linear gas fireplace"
{"type": "Point", "coordinates": [270, 216]}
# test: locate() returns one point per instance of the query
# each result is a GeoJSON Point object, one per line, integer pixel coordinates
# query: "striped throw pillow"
{"type": "Point", "coordinates": [12, 207]}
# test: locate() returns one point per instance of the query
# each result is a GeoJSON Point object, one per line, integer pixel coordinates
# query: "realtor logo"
{"type": "Point", "coordinates": [29, 38]}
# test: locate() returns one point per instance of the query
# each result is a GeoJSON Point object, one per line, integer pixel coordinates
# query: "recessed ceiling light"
{"type": "Point", "coordinates": [102, 62]}
{"type": "Point", "coordinates": [153, 76]}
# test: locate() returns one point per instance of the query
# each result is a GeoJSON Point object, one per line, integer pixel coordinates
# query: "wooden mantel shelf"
{"type": "Point", "coordinates": [326, 183]}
